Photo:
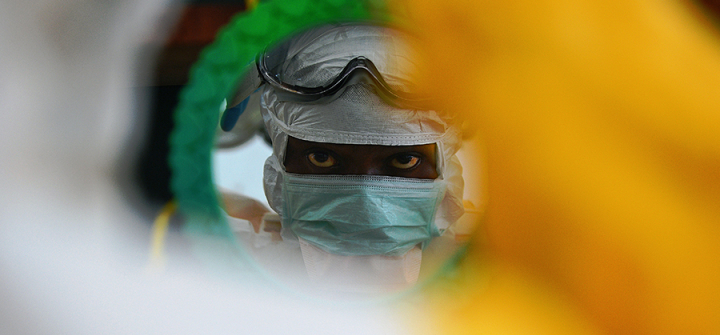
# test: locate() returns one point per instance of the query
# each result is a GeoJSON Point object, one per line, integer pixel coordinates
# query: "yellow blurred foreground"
{"type": "Point", "coordinates": [600, 121]}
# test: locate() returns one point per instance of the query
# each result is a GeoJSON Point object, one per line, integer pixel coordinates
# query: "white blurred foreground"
{"type": "Point", "coordinates": [72, 248]}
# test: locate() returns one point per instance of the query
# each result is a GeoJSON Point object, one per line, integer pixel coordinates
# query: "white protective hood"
{"type": "Point", "coordinates": [357, 115]}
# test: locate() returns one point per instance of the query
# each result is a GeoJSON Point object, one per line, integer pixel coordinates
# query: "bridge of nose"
{"type": "Point", "coordinates": [363, 160]}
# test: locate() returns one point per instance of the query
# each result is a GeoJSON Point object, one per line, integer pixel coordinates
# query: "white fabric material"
{"type": "Point", "coordinates": [361, 274]}
{"type": "Point", "coordinates": [356, 116]}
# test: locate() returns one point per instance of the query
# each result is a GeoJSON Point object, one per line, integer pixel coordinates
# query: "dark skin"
{"type": "Point", "coordinates": [416, 161]}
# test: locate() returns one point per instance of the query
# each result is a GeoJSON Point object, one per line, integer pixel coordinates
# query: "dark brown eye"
{"type": "Point", "coordinates": [321, 159]}
{"type": "Point", "coordinates": [405, 161]}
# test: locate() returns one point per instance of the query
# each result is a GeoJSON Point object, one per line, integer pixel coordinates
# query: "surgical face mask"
{"type": "Point", "coordinates": [357, 215]}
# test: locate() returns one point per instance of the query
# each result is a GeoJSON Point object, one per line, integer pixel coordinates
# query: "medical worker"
{"type": "Point", "coordinates": [362, 179]}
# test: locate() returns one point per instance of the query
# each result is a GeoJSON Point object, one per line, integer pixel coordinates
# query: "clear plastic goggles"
{"type": "Point", "coordinates": [321, 74]}
{"type": "Point", "coordinates": [358, 69]}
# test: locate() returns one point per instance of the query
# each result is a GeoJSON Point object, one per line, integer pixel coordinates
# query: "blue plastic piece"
{"type": "Point", "coordinates": [231, 115]}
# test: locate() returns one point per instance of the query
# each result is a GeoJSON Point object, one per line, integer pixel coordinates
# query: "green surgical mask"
{"type": "Point", "coordinates": [353, 215]}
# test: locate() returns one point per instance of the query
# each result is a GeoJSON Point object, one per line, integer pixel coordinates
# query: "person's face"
{"type": "Point", "coordinates": [415, 161]}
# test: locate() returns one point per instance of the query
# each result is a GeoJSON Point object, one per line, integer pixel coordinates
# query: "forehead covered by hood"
{"type": "Point", "coordinates": [358, 116]}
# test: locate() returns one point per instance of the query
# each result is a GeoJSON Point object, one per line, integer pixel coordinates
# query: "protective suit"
{"type": "Point", "coordinates": [364, 232]}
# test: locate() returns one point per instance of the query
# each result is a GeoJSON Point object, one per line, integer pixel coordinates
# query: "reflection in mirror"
{"type": "Point", "coordinates": [364, 192]}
